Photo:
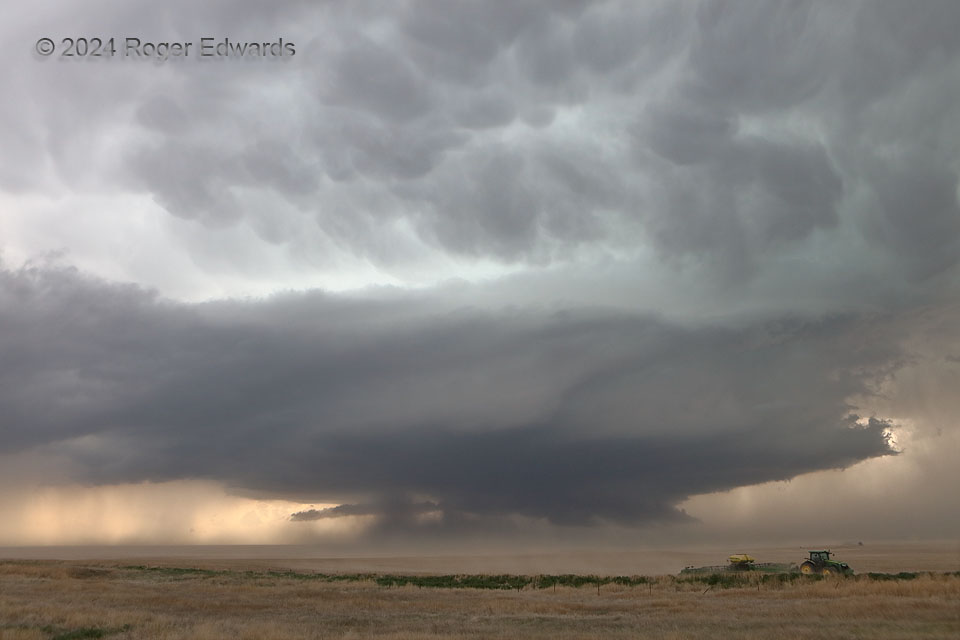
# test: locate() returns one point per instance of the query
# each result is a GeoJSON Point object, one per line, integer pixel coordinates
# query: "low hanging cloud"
{"type": "Point", "coordinates": [575, 417]}
{"type": "Point", "coordinates": [392, 509]}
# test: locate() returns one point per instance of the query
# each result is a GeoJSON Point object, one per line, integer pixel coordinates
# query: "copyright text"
{"type": "Point", "coordinates": [138, 48]}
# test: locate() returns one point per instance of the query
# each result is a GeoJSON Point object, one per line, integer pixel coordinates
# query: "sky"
{"type": "Point", "coordinates": [447, 275]}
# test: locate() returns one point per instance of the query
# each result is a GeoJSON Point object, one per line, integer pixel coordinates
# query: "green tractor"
{"type": "Point", "coordinates": [820, 562]}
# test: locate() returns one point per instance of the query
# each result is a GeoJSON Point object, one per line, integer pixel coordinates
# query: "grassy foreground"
{"type": "Point", "coordinates": [71, 601]}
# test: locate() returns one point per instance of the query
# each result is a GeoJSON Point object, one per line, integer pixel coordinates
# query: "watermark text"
{"type": "Point", "coordinates": [132, 47]}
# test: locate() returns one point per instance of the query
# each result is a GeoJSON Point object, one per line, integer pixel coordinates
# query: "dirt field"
{"type": "Point", "coordinates": [258, 598]}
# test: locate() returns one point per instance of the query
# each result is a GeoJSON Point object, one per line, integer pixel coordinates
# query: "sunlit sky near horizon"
{"type": "Point", "coordinates": [481, 273]}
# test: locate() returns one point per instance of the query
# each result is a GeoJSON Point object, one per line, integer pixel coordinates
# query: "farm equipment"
{"type": "Point", "coordinates": [742, 562]}
{"type": "Point", "coordinates": [820, 562]}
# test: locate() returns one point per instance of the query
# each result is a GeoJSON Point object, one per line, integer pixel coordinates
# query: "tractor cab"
{"type": "Point", "coordinates": [820, 562]}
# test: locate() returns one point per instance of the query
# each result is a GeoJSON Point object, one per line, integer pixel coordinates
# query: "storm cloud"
{"type": "Point", "coordinates": [570, 416]}
{"type": "Point", "coordinates": [534, 133]}
{"type": "Point", "coordinates": [572, 262]}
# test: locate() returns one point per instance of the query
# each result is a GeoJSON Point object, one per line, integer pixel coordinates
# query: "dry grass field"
{"type": "Point", "coordinates": [71, 600]}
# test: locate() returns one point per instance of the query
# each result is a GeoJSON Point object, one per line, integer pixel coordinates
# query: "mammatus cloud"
{"type": "Point", "coordinates": [716, 136]}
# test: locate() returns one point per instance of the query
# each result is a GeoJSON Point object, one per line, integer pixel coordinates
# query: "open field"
{"type": "Point", "coordinates": [244, 599]}
{"type": "Point", "coordinates": [880, 557]}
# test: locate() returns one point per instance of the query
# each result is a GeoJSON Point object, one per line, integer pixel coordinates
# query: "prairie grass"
{"type": "Point", "coordinates": [72, 600]}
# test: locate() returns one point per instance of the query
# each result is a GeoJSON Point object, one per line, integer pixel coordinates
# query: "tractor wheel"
{"type": "Point", "coordinates": [808, 568]}
{"type": "Point", "coordinates": [829, 571]}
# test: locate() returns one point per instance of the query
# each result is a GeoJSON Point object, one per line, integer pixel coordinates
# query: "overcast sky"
{"type": "Point", "coordinates": [620, 270]}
